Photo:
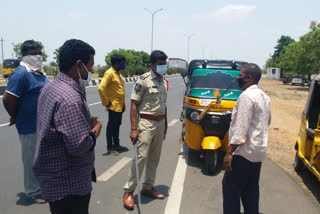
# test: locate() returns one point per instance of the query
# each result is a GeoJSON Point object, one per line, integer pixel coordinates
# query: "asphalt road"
{"type": "Point", "coordinates": [179, 176]}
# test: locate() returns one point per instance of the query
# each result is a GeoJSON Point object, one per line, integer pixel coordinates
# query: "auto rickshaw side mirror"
{"type": "Point", "coordinates": [184, 73]}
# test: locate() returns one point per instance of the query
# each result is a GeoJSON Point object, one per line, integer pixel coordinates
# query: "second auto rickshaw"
{"type": "Point", "coordinates": [211, 94]}
{"type": "Point", "coordinates": [9, 65]}
{"type": "Point", "coordinates": [308, 142]}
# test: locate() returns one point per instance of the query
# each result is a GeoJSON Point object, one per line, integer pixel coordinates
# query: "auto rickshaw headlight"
{"type": "Point", "coordinates": [194, 115]}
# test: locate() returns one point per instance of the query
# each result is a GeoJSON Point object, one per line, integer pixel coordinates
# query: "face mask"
{"type": "Point", "coordinates": [122, 67]}
{"type": "Point", "coordinates": [161, 69]}
{"type": "Point", "coordinates": [34, 62]}
{"type": "Point", "coordinates": [83, 82]}
{"type": "Point", "coordinates": [241, 82]}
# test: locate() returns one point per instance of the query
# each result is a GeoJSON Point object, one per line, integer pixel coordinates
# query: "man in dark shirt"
{"type": "Point", "coordinates": [64, 157]}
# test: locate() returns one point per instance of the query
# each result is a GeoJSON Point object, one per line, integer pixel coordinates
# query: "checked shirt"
{"type": "Point", "coordinates": [64, 156]}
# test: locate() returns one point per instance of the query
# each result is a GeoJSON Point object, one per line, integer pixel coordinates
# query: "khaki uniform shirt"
{"type": "Point", "coordinates": [151, 92]}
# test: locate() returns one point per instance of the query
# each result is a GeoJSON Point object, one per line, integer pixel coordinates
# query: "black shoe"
{"type": "Point", "coordinates": [121, 149]}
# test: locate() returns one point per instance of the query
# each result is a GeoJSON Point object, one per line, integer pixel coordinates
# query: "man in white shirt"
{"type": "Point", "coordinates": [248, 138]}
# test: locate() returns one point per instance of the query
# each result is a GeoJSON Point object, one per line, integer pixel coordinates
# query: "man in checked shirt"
{"type": "Point", "coordinates": [64, 157]}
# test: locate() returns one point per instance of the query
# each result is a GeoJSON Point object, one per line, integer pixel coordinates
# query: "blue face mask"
{"type": "Point", "coordinates": [122, 67]}
{"type": "Point", "coordinates": [162, 69]}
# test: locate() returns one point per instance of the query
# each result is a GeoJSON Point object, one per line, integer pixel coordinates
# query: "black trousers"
{"type": "Point", "coordinates": [71, 205]}
{"type": "Point", "coordinates": [113, 129]}
{"type": "Point", "coordinates": [242, 182]}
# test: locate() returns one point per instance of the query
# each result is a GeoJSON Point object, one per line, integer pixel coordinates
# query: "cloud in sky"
{"type": "Point", "coordinates": [226, 14]}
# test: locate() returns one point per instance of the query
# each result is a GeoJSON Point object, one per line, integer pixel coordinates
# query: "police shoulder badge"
{"type": "Point", "coordinates": [137, 87]}
{"type": "Point", "coordinates": [144, 76]}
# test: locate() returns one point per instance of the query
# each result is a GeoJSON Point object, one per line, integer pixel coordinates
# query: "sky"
{"type": "Point", "coordinates": [244, 30]}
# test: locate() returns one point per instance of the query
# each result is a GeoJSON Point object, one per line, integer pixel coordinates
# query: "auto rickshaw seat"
{"type": "Point", "coordinates": [315, 109]}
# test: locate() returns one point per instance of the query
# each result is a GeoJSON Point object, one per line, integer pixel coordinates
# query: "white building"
{"type": "Point", "coordinates": [273, 73]}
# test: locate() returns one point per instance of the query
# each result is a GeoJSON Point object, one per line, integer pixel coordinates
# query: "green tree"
{"type": "Point", "coordinates": [137, 61]}
{"type": "Point", "coordinates": [132, 57]}
{"type": "Point", "coordinates": [53, 64]}
{"type": "Point", "coordinates": [302, 57]}
{"type": "Point", "coordinates": [17, 51]}
{"type": "Point", "coordinates": [282, 43]}
{"type": "Point", "coordinates": [280, 49]}
{"type": "Point", "coordinates": [56, 55]}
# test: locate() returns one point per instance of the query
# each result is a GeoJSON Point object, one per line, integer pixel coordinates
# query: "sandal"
{"type": "Point", "coordinates": [37, 199]}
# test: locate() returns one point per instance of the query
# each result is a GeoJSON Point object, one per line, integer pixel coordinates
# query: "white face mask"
{"type": "Point", "coordinates": [34, 62]}
{"type": "Point", "coordinates": [83, 82]}
{"type": "Point", "coordinates": [161, 69]}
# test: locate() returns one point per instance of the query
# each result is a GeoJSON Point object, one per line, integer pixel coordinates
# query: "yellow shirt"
{"type": "Point", "coordinates": [112, 91]}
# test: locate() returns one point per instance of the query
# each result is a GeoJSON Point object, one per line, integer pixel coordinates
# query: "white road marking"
{"type": "Point", "coordinates": [173, 122]}
{"type": "Point", "coordinates": [114, 169]}
{"type": "Point", "coordinates": [92, 104]}
{"type": "Point", "coordinates": [175, 196]}
{"type": "Point", "coordinates": [5, 124]}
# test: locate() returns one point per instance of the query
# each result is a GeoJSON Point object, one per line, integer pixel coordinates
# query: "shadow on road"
{"type": "Point", "coordinates": [194, 159]}
{"type": "Point", "coordinates": [311, 182]}
{"type": "Point", "coordinates": [299, 89]}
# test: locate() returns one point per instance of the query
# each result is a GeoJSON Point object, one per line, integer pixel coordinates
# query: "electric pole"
{"type": "Point", "coordinates": [188, 36]}
{"type": "Point", "coordinates": [2, 40]}
{"type": "Point", "coordinates": [152, 19]}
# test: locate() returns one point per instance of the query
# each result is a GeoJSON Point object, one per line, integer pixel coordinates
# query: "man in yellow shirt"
{"type": "Point", "coordinates": [112, 95]}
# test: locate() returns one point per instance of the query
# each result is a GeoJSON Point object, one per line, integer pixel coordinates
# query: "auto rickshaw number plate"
{"type": "Point", "coordinates": [205, 102]}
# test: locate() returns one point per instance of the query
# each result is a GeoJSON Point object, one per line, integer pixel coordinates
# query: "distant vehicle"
{"type": "Point", "coordinates": [285, 80]}
{"type": "Point", "coordinates": [9, 65]}
{"type": "Point", "coordinates": [297, 80]}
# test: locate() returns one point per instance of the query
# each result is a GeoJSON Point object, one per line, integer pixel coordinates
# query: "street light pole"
{"type": "Point", "coordinates": [152, 14]}
{"type": "Point", "coordinates": [189, 36]}
{"type": "Point", "coordinates": [2, 40]}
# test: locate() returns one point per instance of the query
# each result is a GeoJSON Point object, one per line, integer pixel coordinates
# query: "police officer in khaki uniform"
{"type": "Point", "coordinates": [148, 115]}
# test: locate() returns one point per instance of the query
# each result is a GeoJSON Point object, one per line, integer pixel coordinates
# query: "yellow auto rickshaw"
{"type": "Point", "coordinates": [211, 94]}
{"type": "Point", "coordinates": [308, 142]}
{"type": "Point", "coordinates": [9, 65]}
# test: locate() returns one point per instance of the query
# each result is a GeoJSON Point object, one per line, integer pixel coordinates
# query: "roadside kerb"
{"type": "Point", "coordinates": [96, 82]}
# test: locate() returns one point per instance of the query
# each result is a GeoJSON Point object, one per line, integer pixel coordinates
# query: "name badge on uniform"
{"type": "Point", "coordinates": [154, 86]}
{"type": "Point", "coordinates": [137, 87]}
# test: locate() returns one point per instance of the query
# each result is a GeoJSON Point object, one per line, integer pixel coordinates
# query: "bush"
{"type": "Point", "coordinates": [100, 70]}
{"type": "Point", "coordinates": [51, 70]}
{"type": "Point", "coordinates": [132, 70]}
{"type": "Point", "coordinates": [174, 71]}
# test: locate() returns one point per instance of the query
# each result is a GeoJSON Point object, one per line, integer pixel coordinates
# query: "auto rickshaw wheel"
{"type": "Point", "coordinates": [298, 165]}
{"type": "Point", "coordinates": [212, 161]}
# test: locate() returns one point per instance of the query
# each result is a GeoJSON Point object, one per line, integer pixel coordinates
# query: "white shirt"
{"type": "Point", "coordinates": [251, 117]}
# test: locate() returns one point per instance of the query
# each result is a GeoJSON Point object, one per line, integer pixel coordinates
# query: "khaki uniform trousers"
{"type": "Point", "coordinates": [149, 150]}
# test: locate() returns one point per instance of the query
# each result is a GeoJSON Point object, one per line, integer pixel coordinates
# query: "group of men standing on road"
{"type": "Point", "coordinates": [58, 134]}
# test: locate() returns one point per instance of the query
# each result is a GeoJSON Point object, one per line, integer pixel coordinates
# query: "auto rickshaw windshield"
{"type": "Point", "coordinates": [215, 79]}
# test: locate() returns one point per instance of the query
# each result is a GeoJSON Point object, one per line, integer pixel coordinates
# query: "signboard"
{"type": "Point", "coordinates": [313, 24]}
{"type": "Point", "coordinates": [177, 63]}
